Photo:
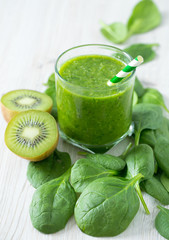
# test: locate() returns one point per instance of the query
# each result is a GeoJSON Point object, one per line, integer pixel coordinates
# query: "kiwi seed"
{"type": "Point", "coordinates": [32, 135]}
{"type": "Point", "coordinates": [21, 100]}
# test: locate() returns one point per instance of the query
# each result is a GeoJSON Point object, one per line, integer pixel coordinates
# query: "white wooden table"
{"type": "Point", "coordinates": [32, 34]}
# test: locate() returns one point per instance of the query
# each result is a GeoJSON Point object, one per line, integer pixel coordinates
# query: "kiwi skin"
{"type": "Point", "coordinates": [45, 154]}
{"type": "Point", "coordinates": [8, 114]}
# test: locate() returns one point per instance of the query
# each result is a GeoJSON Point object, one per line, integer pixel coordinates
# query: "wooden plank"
{"type": "Point", "coordinates": [33, 34]}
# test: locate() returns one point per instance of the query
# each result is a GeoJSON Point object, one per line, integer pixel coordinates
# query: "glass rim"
{"type": "Point", "coordinates": [119, 84]}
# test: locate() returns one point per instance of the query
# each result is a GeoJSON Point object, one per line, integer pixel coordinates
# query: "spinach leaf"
{"type": "Point", "coordinates": [135, 98]}
{"type": "Point", "coordinates": [162, 222]}
{"type": "Point", "coordinates": [95, 166]}
{"type": "Point", "coordinates": [165, 181]}
{"type": "Point", "coordinates": [155, 189]}
{"type": "Point", "coordinates": [51, 92]}
{"type": "Point", "coordinates": [145, 17]}
{"type": "Point", "coordinates": [115, 32]}
{"type": "Point", "coordinates": [162, 131]}
{"type": "Point", "coordinates": [155, 97]}
{"type": "Point", "coordinates": [54, 113]}
{"type": "Point", "coordinates": [107, 206]}
{"type": "Point", "coordinates": [167, 123]}
{"type": "Point", "coordinates": [52, 167]}
{"type": "Point", "coordinates": [146, 116]}
{"type": "Point", "coordinates": [155, 166]}
{"type": "Point", "coordinates": [148, 137]}
{"type": "Point", "coordinates": [161, 151]}
{"type": "Point", "coordinates": [108, 161]}
{"type": "Point", "coordinates": [140, 160]}
{"type": "Point", "coordinates": [138, 88]}
{"type": "Point", "coordinates": [53, 204]}
{"type": "Point", "coordinates": [145, 50]}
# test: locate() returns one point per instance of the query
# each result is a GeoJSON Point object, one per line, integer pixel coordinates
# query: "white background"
{"type": "Point", "coordinates": [32, 35]}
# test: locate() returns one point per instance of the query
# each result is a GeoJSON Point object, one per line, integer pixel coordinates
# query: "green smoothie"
{"type": "Point", "coordinates": [89, 111]}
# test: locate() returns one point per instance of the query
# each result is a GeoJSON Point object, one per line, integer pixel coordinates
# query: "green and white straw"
{"type": "Point", "coordinates": [125, 71]}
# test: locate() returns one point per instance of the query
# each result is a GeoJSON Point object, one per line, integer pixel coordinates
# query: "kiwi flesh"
{"type": "Point", "coordinates": [21, 100]}
{"type": "Point", "coordinates": [32, 135]}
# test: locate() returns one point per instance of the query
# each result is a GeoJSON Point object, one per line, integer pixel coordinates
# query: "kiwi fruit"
{"type": "Point", "coordinates": [21, 100]}
{"type": "Point", "coordinates": [32, 135]}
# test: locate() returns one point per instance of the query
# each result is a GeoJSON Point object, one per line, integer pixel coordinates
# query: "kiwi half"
{"type": "Point", "coordinates": [21, 100]}
{"type": "Point", "coordinates": [32, 135]}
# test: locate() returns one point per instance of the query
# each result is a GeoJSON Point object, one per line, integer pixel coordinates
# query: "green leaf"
{"type": "Point", "coordinates": [138, 88]}
{"type": "Point", "coordinates": [107, 206]}
{"type": "Point", "coordinates": [52, 205]}
{"type": "Point", "coordinates": [165, 181]}
{"type": "Point", "coordinates": [51, 91]}
{"type": "Point", "coordinates": [108, 161]}
{"type": "Point", "coordinates": [140, 160]}
{"type": "Point", "coordinates": [51, 80]}
{"type": "Point", "coordinates": [155, 97]}
{"type": "Point", "coordinates": [95, 166]}
{"type": "Point", "coordinates": [145, 17]}
{"type": "Point", "coordinates": [54, 113]}
{"type": "Point", "coordinates": [162, 222]}
{"type": "Point", "coordinates": [135, 98]}
{"type": "Point", "coordinates": [167, 122]}
{"type": "Point", "coordinates": [161, 152]}
{"type": "Point", "coordinates": [115, 32]}
{"type": "Point", "coordinates": [155, 189]}
{"type": "Point", "coordinates": [148, 137]}
{"type": "Point", "coordinates": [146, 116]}
{"type": "Point", "coordinates": [155, 167]}
{"type": "Point", "coordinates": [52, 167]}
{"type": "Point", "coordinates": [162, 131]}
{"type": "Point", "coordinates": [151, 137]}
{"type": "Point", "coordinates": [145, 50]}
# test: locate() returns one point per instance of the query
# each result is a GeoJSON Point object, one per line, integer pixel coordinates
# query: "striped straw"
{"type": "Point", "coordinates": [125, 71]}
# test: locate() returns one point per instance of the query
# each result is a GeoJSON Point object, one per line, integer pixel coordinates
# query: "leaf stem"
{"type": "Point", "coordinates": [163, 209]}
{"type": "Point", "coordinates": [153, 45]}
{"type": "Point", "coordinates": [66, 175]}
{"type": "Point", "coordinates": [167, 110]}
{"type": "Point", "coordinates": [137, 138]}
{"type": "Point", "coordinates": [114, 172]}
{"type": "Point", "coordinates": [105, 26]}
{"type": "Point", "coordinates": [137, 178]}
{"type": "Point", "coordinates": [141, 198]}
{"type": "Point", "coordinates": [123, 155]}
{"type": "Point", "coordinates": [159, 207]}
{"type": "Point", "coordinates": [82, 153]}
